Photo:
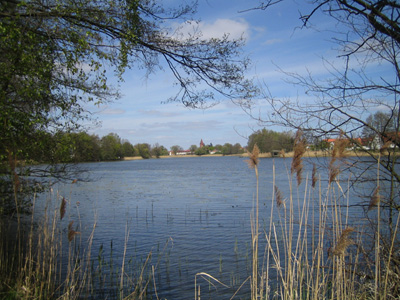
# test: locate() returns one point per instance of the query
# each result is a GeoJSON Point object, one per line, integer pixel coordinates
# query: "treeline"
{"type": "Point", "coordinates": [225, 149]}
{"type": "Point", "coordinates": [84, 147]}
{"type": "Point", "coordinates": [268, 140]}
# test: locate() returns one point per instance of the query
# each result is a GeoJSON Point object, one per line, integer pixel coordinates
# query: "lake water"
{"type": "Point", "coordinates": [192, 214]}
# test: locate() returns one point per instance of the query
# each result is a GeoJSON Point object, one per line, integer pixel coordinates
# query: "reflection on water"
{"type": "Point", "coordinates": [192, 214]}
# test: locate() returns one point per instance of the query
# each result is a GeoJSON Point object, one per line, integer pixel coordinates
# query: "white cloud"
{"type": "Point", "coordinates": [112, 111]}
{"type": "Point", "coordinates": [160, 113]}
{"type": "Point", "coordinates": [234, 28]}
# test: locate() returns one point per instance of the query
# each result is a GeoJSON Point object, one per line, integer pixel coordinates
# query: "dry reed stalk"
{"type": "Point", "coordinates": [253, 163]}
{"type": "Point", "coordinates": [299, 150]}
{"type": "Point", "coordinates": [343, 242]}
{"type": "Point", "coordinates": [123, 262]}
{"type": "Point", "coordinates": [282, 153]}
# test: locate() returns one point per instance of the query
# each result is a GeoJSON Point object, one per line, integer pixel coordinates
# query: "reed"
{"type": "Point", "coordinates": [253, 163]}
{"type": "Point", "coordinates": [312, 249]}
{"type": "Point", "coordinates": [44, 258]}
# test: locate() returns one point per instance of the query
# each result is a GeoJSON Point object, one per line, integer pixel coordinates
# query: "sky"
{"type": "Point", "coordinates": [274, 42]}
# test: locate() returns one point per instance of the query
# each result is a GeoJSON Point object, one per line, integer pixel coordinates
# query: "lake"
{"type": "Point", "coordinates": [192, 214]}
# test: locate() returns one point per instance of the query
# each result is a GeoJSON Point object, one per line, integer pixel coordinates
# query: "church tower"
{"type": "Point", "coordinates": [201, 143]}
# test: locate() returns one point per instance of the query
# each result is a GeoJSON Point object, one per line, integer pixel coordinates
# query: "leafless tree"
{"type": "Point", "coordinates": [363, 79]}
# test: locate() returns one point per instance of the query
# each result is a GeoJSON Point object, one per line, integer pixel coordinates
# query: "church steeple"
{"type": "Point", "coordinates": [202, 143]}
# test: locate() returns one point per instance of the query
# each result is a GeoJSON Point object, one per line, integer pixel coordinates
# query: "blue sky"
{"type": "Point", "coordinates": [272, 42]}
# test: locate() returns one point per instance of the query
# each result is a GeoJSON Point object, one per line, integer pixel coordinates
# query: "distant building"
{"type": "Point", "coordinates": [202, 143]}
{"type": "Point", "coordinates": [213, 151]}
{"type": "Point", "coordinates": [181, 152]}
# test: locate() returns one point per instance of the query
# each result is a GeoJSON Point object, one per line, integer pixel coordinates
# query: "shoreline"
{"type": "Point", "coordinates": [308, 153]}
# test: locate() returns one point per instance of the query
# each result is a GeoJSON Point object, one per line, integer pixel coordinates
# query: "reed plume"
{"type": "Point", "coordinates": [63, 208]}
{"type": "Point", "coordinates": [338, 152]}
{"type": "Point", "coordinates": [299, 150]}
{"type": "Point", "coordinates": [375, 199]}
{"type": "Point", "coordinates": [278, 197]}
{"type": "Point", "coordinates": [314, 176]}
{"type": "Point", "coordinates": [253, 157]}
{"type": "Point", "coordinates": [333, 173]}
{"type": "Point", "coordinates": [339, 148]}
{"type": "Point", "coordinates": [343, 242]}
{"type": "Point", "coordinates": [71, 232]}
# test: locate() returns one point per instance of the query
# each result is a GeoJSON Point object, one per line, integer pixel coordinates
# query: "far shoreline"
{"type": "Point", "coordinates": [308, 153]}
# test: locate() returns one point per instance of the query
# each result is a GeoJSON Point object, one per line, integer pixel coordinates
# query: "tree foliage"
{"type": "Point", "coordinates": [158, 150]}
{"type": "Point", "coordinates": [268, 140]}
{"type": "Point", "coordinates": [57, 56]}
{"type": "Point", "coordinates": [111, 147]}
{"type": "Point", "coordinates": [144, 150]}
{"type": "Point", "coordinates": [127, 149]}
{"type": "Point", "coordinates": [176, 148]}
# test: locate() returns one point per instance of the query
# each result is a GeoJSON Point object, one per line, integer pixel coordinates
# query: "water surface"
{"type": "Point", "coordinates": [192, 214]}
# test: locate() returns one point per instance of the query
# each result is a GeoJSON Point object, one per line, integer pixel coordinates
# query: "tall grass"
{"type": "Point", "coordinates": [44, 256]}
{"type": "Point", "coordinates": [313, 249]}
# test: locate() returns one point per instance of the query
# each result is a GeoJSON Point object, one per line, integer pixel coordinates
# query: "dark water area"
{"type": "Point", "coordinates": [192, 214]}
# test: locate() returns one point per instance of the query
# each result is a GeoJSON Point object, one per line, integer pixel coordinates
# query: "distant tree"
{"type": "Point", "coordinates": [237, 149]}
{"type": "Point", "coordinates": [143, 150]}
{"type": "Point", "coordinates": [218, 147]}
{"type": "Point", "coordinates": [379, 123]}
{"type": "Point", "coordinates": [193, 148]}
{"type": "Point", "coordinates": [87, 147]}
{"type": "Point", "coordinates": [175, 149]}
{"type": "Point", "coordinates": [111, 148]}
{"type": "Point", "coordinates": [268, 140]}
{"type": "Point", "coordinates": [227, 149]}
{"type": "Point", "coordinates": [157, 151]}
{"type": "Point", "coordinates": [74, 147]}
{"type": "Point", "coordinates": [127, 149]}
{"type": "Point", "coordinates": [320, 145]}
{"type": "Point", "coordinates": [202, 151]}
